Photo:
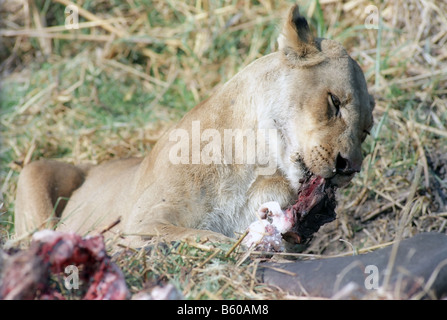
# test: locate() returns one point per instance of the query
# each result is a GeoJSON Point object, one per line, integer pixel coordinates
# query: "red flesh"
{"type": "Point", "coordinates": [314, 207]}
{"type": "Point", "coordinates": [52, 253]}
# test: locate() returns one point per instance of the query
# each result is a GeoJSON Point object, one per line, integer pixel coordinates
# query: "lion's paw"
{"type": "Point", "coordinates": [265, 234]}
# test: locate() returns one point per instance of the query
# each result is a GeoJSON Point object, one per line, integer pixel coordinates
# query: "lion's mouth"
{"type": "Point", "coordinates": [315, 207]}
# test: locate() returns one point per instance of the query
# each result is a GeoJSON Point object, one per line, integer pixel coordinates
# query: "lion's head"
{"type": "Point", "coordinates": [330, 110]}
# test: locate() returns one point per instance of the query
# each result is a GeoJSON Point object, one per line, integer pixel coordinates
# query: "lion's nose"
{"type": "Point", "coordinates": [347, 167]}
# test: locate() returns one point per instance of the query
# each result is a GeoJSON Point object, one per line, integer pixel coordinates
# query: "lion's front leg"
{"type": "Point", "coordinates": [166, 232]}
{"type": "Point", "coordinates": [267, 197]}
{"type": "Point", "coordinates": [165, 221]}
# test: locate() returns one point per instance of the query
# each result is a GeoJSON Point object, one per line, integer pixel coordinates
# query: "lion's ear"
{"type": "Point", "coordinates": [297, 42]}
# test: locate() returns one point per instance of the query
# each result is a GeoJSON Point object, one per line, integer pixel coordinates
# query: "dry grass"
{"type": "Point", "coordinates": [109, 89]}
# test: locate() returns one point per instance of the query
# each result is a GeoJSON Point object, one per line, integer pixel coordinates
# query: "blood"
{"type": "Point", "coordinates": [27, 274]}
{"type": "Point", "coordinates": [315, 207]}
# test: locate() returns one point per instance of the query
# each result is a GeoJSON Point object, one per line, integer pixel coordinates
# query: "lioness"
{"type": "Point", "coordinates": [308, 102]}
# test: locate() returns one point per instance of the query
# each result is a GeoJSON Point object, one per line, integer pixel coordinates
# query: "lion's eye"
{"type": "Point", "coordinates": [335, 102]}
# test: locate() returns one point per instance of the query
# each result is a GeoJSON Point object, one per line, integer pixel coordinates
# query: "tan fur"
{"type": "Point", "coordinates": [286, 91]}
